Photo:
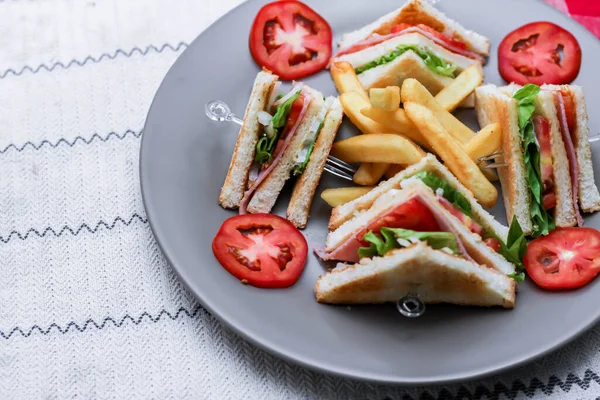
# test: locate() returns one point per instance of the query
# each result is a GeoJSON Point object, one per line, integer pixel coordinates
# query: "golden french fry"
{"type": "Point", "coordinates": [486, 142]}
{"type": "Point", "coordinates": [378, 148]}
{"type": "Point", "coordinates": [385, 98]}
{"type": "Point", "coordinates": [452, 153]}
{"type": "Point", "coordinates": [395, 121]}
{"type": "Point", "coordinates": [393, 170]}
{"type": "Point", "coordinates": [338, 196]}
{"type": "Point", "coordinates": [456, 92]}
{"type": "Point", "coordinates": [345, 79]}
{"type": "Point", "coordinates": [352, 102]}
{"type": "Point", "coordinates": [369, 174]}
{"type": "Point", "coordinates": [413, 91]}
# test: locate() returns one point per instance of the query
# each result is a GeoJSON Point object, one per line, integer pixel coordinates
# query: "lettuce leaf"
{"type": "Point", "coordinates": [514, 249]}
{"type": "Point", "coordinates": [299, 168]}
{"type": "Point", "coordinates": [266, 145]}
{"type": "Point", "coordinates": [543, 222]}
{"type": "Point", "coordinates": [433, 62]}
{"type": "Point", "coordinates": [450, 194]}
{"type": "Point", "coordinates": [387, 240]}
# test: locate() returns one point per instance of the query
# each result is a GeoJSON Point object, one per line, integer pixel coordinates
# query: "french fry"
{"type": "Point", "coordinates": [452, 153]}
{"type": "Point", "coordinates": [338, 196]}
{"type": "Point", "coordinates": [413, 91]}
{"type": "Point", "coordinates": [352, 102]}
{"type": "Point", "coordinates": [369, 174]}
{"type": "Point", "coordinates": [385, 98]}
{"type": "Point", "coordinates": [456, 92]}
{"type": "Point", "coordinates": [395, 121]}
{"type": "Point", "coordinates": [486, 142]}
{"type": "Point", "coordinates": [393, 170]}
{"type": "Point", "coordinates": [345, 79]}
{"type": "Point", "coordinates": [378, 148]}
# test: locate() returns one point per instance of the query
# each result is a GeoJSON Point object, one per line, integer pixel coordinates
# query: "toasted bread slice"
{"type": "Point", "coordinates": [429, 163]}
{"type": "Point", "coordinates": [494, 106]}
{"type": "Point", "coordinates": [433, 275]}
{"type": "Point", "coordinates": [589, 198]}
{"type": "Point", "coordinates": [236, 181]}
{"type": "Point", "coordinates": [416, 12]}
{"type": "Point", "coordinates": [266, 194]}
{"type": "Point", "coordinates": [305, 187]}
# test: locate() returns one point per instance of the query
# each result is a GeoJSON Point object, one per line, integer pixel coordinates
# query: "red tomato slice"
{"type": "Point", "coordinates": [290, 39]}
{"type": "Point", "coordinates": [263, 250]}
{"type": "Point", "coordinates": [570, 111]}
{"type": "Point", "coordinates": [493, 243]}
{"type": "Point", "coordinates": [539, 52]}
{"type": "Point", "coordinates": [412, 214]}
{"type": "Point", "coordinates": [541, 128]}
{"type": "Point", "coordinates": [400, 27]}
{"type": "Point", "coordinates": [567, 258]}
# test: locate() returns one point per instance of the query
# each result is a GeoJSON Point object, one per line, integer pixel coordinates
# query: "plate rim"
{"type": "Point", "coordinates": [282, 352]}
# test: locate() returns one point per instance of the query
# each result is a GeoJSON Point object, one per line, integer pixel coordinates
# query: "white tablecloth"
{"type": "Point", "coordinates": [89, 308]}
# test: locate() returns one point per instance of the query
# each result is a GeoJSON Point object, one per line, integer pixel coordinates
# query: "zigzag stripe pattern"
{"type": "Point", "coordinates": [72, 143]}
{"type": "Point", "coordinates": [108, 320]}
{"type": "Point", "coordinates": [74, 232]}
{"type": "Point", "coordinates": [463, 393]}
{"type": "Point", "coordinates": [94, 60]}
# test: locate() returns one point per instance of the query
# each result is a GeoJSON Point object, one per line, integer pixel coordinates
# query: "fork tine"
{"type": "Point", "coordinates": [491, 157]}
{"type": "Point", "coordinates": [338, 172]}
{"type": "Point", "coordinates": [495, 165]}
{"type": "Point", "coordinates": [336, 162]}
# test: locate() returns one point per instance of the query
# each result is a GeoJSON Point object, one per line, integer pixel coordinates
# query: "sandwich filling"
{"type": "Point", "coordinates": [565, 107]}
{"type": "Point", "coordinates": [444, 40]}
{"type": "Point", "coordinates": [288, 111]}
{"type": "Point", "coordinates": [433, 62]}
{"type": "Point", "coordinates": [304, 154]}
{"type": "Point", "coordinates": [402, 225]}
{"type": "Point", "coordinates": [537, 155]}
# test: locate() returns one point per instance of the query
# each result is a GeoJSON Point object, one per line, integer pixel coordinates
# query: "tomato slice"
{"type": "Point", "coordinates": [263, 250]}
{"type": "Point", "coordinates": [567, 258]}
{"type": "Point", "coordinates": [539, 52]}
{"type": "Point", "coordinates": [412, 214]}
{"type": "Point", "coordinates": [493, 243]}
{"type": "Point", "coordinates": [569, 111]}
{"type": "Point", "coordinates": [290, 39]}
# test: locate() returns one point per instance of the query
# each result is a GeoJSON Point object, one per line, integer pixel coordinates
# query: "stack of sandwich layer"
{"type": "Point", "coordinates": [435, 249]}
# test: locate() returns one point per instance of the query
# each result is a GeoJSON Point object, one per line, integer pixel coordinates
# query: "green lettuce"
{"type": "Point", "coordinates": [433, 62]}
{"type": "Point", "coordinates": [299, 168]}
{"type": "Point", "coordinates": [387, 240]}
{"type": "Point", "coordinates": [543, 222]}
{"type": "Point", "coordinates": [514, 249]}
{"type": "Point", "coordinates": [450, 194]}
{"type": "Point", "coordinates": [266, 145]}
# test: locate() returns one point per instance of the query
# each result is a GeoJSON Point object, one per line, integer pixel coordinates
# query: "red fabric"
{"type": "Point", "coordinates": [586, 12]}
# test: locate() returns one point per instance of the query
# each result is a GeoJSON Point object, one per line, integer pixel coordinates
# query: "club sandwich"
{"type": "Point", "coordinates": [283, 135]}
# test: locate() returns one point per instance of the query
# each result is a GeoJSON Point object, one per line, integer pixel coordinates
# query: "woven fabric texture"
{"type": "Point", "coordinates": [89, 308]}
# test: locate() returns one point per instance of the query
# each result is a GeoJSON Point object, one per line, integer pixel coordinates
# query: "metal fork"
{"type": "Point", "coordinates": [499, 163]}
{"type": "Point", "coordinates": [219, 111]}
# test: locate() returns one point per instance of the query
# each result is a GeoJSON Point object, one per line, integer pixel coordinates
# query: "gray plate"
{"type": "Point", "coordinates": [184, 160]}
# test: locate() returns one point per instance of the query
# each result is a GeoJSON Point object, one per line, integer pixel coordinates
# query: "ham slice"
{"type": "Point", "coordinates": [376, 39]}
{"type": "Point", "coordinates": [571, 155]}
{"type": "Point", "coordinates": [280, 150]}
{"type": "Point", "coordinates": [348, 250]}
